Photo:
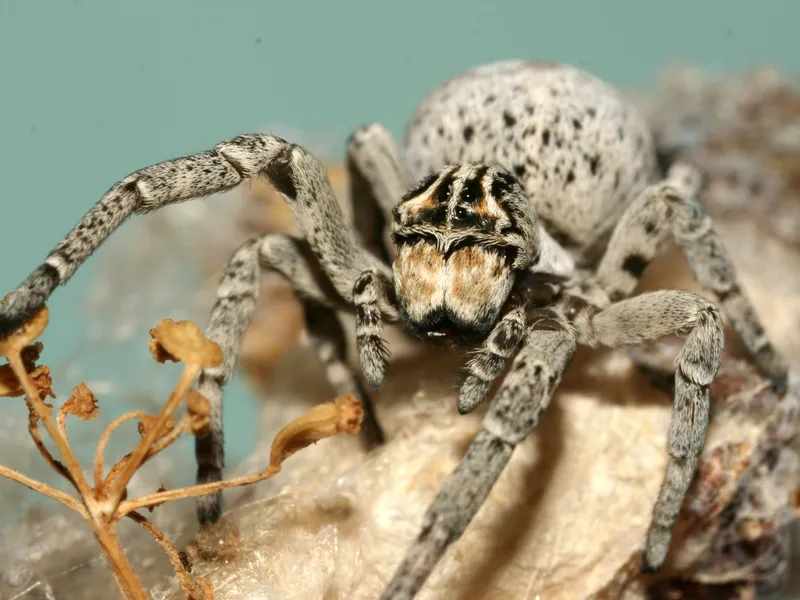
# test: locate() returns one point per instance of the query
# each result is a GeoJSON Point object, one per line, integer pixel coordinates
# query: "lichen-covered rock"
{"type": "Point", "coordinates": [743, 130]}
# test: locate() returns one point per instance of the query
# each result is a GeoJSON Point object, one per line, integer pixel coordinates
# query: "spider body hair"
{"type": "Point", "coordinates": [459, 238]}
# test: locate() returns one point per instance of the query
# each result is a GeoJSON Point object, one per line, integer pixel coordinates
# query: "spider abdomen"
{"type": "Point", "coordinates": [580, 150]}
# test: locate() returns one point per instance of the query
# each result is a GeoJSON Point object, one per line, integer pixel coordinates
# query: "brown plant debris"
{"type": "Point", "coordinates": [320, 422]}
{"type": "Point", "coordinates": [106, 502]}
{"type": "Point", "coordinates": [215, 542]}
{"type": "Point", "coordinates": [183, 341]}
{"type": "Point", "coordinates": [147, 423]}
{"type": "Point", "coordinates": [82, 403]}
{"type": "Point", "coordinates": [11, 386]}
{"type": "Point", "coordinates": [344, 415]}
{"type": "Point", "coordinates": [199, 410]}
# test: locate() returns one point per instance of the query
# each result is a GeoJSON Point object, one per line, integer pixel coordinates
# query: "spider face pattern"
{"type": "Point", "coordinates": [459, 237]}
{"type": "Point", "coordinates": [537, 206]}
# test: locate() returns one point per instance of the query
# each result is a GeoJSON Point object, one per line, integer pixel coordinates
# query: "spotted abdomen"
{"type": "Point", "coordinates": [579, 148]}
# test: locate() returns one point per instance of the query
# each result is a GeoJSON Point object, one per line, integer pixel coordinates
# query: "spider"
{"type": "Point", "coordinates": [524, 208]}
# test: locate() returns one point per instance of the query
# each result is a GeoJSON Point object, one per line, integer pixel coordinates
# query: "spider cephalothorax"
{"type": "Point", "coordinates": [460, 236]}
{"type": "Point", "coordinates": [475, 261]}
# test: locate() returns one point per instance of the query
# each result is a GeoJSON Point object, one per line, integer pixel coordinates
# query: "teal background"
{"type": "Point", "coordinates": [93, 89]}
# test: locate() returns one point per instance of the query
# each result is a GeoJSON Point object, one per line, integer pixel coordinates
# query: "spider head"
{"type": "Point", "coordinates": [460, 235]}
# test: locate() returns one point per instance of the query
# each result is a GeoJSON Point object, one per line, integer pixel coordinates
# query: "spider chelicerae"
{"type": "Point", "coordinates": [536, 202]}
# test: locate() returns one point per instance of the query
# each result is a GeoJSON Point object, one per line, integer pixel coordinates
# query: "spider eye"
{"type": "Point", "coordinates": [444, 191]}
{"type": "Point", "coordinates": [461, 212]}
{"type": "Point", "coordinates": [471, 191]}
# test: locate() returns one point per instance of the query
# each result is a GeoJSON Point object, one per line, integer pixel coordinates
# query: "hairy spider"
{"type": "Point", "coordinates": [540, 202]}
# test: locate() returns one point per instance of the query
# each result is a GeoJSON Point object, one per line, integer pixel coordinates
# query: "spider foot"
{"type": "Point", "coordinates": [374, 358]}
{"type": "Point", "coordinates": [491, 359]}
{"type": "Point", "coordinates": [655, 549]}
{"type": "Point", "coordinates": [773, 366]}
{"type": "Point", "coordinates": [472, 393]}
{"type": "Point", "coordinates": [372, 434]}
{"type": "Point", "coordinates": [372, 352]}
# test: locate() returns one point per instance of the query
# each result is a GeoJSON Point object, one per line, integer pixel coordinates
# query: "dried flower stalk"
{"type": "Point", "coordinates": [105, 503]}
{"type": "Point", "coordinates": [325, 420]}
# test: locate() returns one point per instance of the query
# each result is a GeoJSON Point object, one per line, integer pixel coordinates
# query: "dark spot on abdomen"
{"type": "Point", "coordinates": [634, 265]}
{"type": "Point", "coordinates": [594, 162]}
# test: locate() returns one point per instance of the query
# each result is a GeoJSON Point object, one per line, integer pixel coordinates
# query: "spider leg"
{"type": "Point", "coordinates": [230, 317]}
{"type": "Point", "coordinates": [328, 339]}
{"type": "Point", "coordinates": [295, 260]}
{"type": "Point", "coordinates": [378, 180]}
{"type": "Point", "coordinates": [491, 359]}
{"type": "Point", "coordinates": [512, 415]}
{"type": "Point", "coordinates": [370, 295]}
{"type": "Point", "coordinates": [671, 207]}
{"type": "Point", "coordinates": [294, 172]}
{"type": "Point", "coordinates": [649, 317]}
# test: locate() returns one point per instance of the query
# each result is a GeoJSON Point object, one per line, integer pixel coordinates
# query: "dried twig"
{"type": "Point", "coordinates": [101, 445]}
{"type": "Point", "coordinates": [105, 504]}
{"type": "Point", "coordinates": [42, 488]}
{"type": "Point", "coordinates": [195, 589]}
{"type": "Point", "coordinates": [324, 420]}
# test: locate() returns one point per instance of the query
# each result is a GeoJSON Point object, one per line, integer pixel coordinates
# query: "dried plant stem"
{"type": "Point", "coordinates": [188, 376]}
{"type": "Point", "coordinates": [36, 402]}
{"type": "Point", "coordinates": [173, 434]}
{"type": "Point", "coordinates": [322, 421]}
{"type": "Point", "coordinates": [44, 489]}
{"type": "Point", "coordinates": [36, 436]}
{"type": "Point", "coordinates": [103, 533]}
{"type": "Point", "coordinates": [193, 587]}
{"type": "Point", "coordinates": [61, 423]}
{"type": "Point", "coordinates": [115, 557]}
{"type": "Point", "coordinates": [103, 442]}
{"type": "Point", "coordinates": [189, 492]}
{"type": "Point", "coordinates": [103, 506]}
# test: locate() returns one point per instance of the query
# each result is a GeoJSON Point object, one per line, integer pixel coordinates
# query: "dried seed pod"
{"type": "Point", "coordinates": [147, 422]}
{"type": "Point", "coordinates": [183, 341]}
{"type": "Point", "coordinates": [325, 420]}
{"type": "Point", "coordinates": [82, 403]}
